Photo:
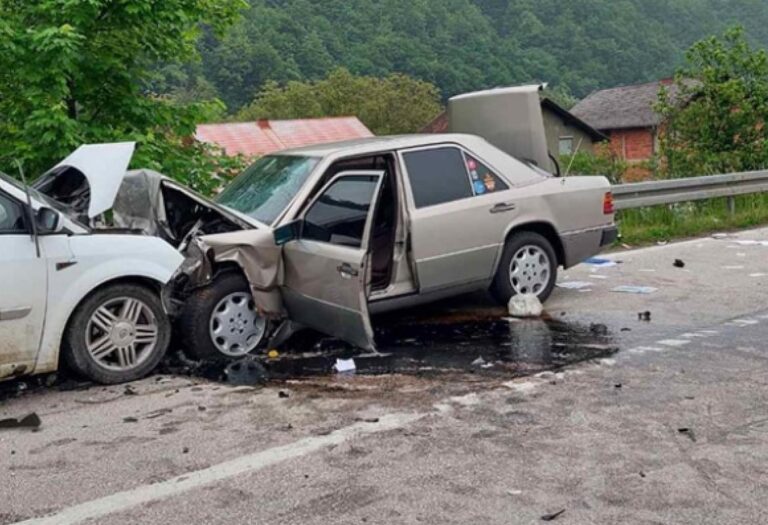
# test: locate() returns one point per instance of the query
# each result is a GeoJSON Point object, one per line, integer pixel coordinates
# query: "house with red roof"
{"type": "Point", "coordinates": [262, 137]}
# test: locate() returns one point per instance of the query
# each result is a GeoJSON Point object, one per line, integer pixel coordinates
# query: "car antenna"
{"type": "Point", "coordinates": [29, 207]}
{"type": "Point", "coordinates": [573, 157]}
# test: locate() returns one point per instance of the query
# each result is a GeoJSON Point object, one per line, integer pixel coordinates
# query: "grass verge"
{"type": "Point", "coordinates": [689, 219]}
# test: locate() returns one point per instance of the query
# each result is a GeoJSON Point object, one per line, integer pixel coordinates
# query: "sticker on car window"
{"type": "Point", "coordinates": [483, 179]}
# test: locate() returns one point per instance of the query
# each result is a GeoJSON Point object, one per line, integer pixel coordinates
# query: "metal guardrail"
{"type": "Point", "coordinates": [641, 194]}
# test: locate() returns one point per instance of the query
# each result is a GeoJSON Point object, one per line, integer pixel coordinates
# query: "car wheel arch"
{"type": "Point", "coordinates": [543, 228]}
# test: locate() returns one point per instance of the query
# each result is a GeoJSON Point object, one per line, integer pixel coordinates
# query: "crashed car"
{"type": "Point", "coordinates": [68, 287]}
{"type": "Point", "coordinates": [342, 231]}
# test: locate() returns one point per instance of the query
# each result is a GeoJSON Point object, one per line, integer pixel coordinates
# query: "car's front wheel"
{"type": "Point", "coordinates": [528, 266]}
{"type": "Point", "coordinates": [221, 320]}
{"type": "Point", "coordinates": [117, 334]}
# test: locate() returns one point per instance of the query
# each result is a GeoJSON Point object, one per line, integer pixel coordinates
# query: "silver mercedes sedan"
{"type": "Point", "coordinates": [340, 231]}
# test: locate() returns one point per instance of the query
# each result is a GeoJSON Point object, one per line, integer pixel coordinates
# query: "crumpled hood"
{"type": "Point", "coordinates": [102, 165]}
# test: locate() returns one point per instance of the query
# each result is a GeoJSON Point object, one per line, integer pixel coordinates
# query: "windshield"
{"type": "Point", "coordinates": [266, 188]}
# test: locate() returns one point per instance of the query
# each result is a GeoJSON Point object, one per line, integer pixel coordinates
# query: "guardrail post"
{"type": "Point", "coordinates": [732, 205]}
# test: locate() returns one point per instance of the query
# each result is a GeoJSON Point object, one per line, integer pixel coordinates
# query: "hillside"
{"type": "Point", "coordinates": [461, 45]}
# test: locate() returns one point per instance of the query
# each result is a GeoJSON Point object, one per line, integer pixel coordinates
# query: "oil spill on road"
{"type": "Point", "coordinates": [486, 346]}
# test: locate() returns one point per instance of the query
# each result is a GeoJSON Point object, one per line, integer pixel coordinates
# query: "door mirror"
{"type": "Point", "coordinates": [288, 232]}
{"type": "Point", "coordinates": [48, 220]}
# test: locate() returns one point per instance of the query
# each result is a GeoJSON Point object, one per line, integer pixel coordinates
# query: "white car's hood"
{"type": "Point", "coordinates": [103, 165]}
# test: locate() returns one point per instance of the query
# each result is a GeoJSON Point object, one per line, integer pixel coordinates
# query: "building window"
{"type": "Point", "coordinates": [566, 145]}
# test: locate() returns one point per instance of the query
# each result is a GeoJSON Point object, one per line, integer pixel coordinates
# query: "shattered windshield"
{"type": "Point", "coordinates": [264, 189]}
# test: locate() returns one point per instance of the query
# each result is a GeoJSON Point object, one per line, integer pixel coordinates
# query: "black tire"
{"type": "Point", "coordinates": [195, 317]}
{"type": "Point", "coordinates": [502, 288]}
{"type": "Point", "coordinates": [74, 348]}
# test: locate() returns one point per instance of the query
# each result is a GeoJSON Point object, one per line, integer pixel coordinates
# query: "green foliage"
{"type": "Point", "coordinates": [75, 71]}
{"type": "Point", "coordinates": [462, 45]}
{"type": "Point", "coordinates": [716, 121]}
{"type": "Point", "coordinates": [601, 162]}
{"type": "Point", "coordinates": [664, 223]}
{"type": "Point", "coordinates": [387, 106]}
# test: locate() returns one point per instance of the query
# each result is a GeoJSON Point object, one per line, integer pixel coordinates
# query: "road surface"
{"type": "Point", "coordinates": [660, 421]}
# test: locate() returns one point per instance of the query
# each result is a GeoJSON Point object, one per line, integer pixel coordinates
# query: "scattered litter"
{"type": "Point", "coordinates": [160, 412]}
{"type": "Point", "coordinates": [625, 329]}
{"type": "Point", "coordinates": [647, 270]}
{"type": "Point", "coordinates": [514, 492]}
{"type": "Point", "coordinates": [574, 285]}
{"type": "Point", "coordinates": [642, 474]}
{"type": "Point", "coordinates": [585, 290]}
{"type": "Point", "coordinates": [273, 354]}
{"type": "Point", "coordinates": [644, 316]}
{"type": "Point", "coordinates": [283, 395]}
{"type": "Point", "coordinates": [524, 305]}
{"type": "Point", "coordinates": [720, 235]}
{"type": "Point", "coordinates": [29, 421]}
{"type": "Point", "coordinates": [617, 385]}
{"type": "Point", "coordinates": [635, 289]}
{"type": "Point", "coordinates": [130, 420]}
{"type": "Point", "coordinates": [344, 365]}
{"type": "Point", "coordinates": [553, 516]}
{"type": "Point", "coordinates": [662, 243]}
{"type": "Point", "coordinates": [129, 391]}
{"type": "Point", "coordinates": [596, 276]}
{"type": "Point", "coordinates": [600, 263]}
{"type": "Point", "coordinates": [185, 450]}
{"type": "Point", "coordinates": [679, 263]}
{"type": "Point", "coordinates": [367, 419]}
{"type": "Point", "coordinates": [757, 274]}
{"type": "Point", "coordinates": [734, 267]}
{"type": "Point", "coordinates": [688, 432]}
{"type": "Point", "coordinates": [751, 243]}
{"type": "Point", "coordinates": [626, 246]}
{"type": "Point", "coordinates": [201, 409]}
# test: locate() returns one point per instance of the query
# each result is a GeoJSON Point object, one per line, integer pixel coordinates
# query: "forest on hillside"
{"type": "Point", "coordinates": [459, 45]}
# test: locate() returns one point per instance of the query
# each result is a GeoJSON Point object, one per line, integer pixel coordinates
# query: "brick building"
{"type": "Point", "coordinates": [626, 115]}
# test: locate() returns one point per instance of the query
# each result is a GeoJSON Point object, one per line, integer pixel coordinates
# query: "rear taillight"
{"type": "Point", "coordinates": [608, 203]}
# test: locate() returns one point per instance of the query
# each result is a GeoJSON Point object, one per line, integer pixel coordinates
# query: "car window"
{"type": "Point", "coordinates": [483, 179]}
{"type": "Point", "coordinates": [339, 215]}
{"type": "Point", "coordinates": [437, 176]}
{"type": "Point", "coordinates": [11, 216]}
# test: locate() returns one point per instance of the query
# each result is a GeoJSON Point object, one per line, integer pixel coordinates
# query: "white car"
{"type": "Point", "coordinates": [69, 291]}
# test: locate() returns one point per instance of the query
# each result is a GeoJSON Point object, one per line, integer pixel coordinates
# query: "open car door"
{"type": "Point", "coordinates": [326, 265]}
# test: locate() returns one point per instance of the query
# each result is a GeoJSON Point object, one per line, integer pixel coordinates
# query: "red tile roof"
{"type": "Point", "coordinates": [267, 136]}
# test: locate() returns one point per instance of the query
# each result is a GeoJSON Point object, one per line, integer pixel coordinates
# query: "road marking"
{"type": "Point", "coordinates": [243, 465]}
{"type": "Point", "coordinates": [673, 342]}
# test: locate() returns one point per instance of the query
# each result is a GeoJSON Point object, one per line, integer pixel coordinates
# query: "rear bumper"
{"type": "Point", "coordinates": [609, 236]}
{"type": "Point", "coordinates": [581, 245]}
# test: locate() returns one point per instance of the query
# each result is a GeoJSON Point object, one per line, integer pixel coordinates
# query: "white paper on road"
{"type": "Point", "coordinates": [574, 285]}
{"type": "Point", "coordinates": [634, 289]}
{"type": "Point", "coordinates": [345, 365]}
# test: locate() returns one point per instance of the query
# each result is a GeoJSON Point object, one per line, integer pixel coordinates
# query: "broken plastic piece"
{"type": "Point", "coordinates": [30, 421]}
{"type": "Point", "coordinates": [525, 305]}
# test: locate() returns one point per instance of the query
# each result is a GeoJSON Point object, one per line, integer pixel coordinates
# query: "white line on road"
{"type": "Point", "coordinates": [243, 465]}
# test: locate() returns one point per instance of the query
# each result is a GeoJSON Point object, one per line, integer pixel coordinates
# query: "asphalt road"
{"type": "Point", "coordinates": [660, 421]}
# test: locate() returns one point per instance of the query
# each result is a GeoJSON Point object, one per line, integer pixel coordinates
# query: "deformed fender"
{"type": "Point", "coordinates": [254, 251]}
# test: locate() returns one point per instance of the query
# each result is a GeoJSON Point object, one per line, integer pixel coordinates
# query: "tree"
{"type": "Point", "coordinates": [391, 105]}
{"type": "Point", "coordinates": [75, 71]}
{"type": "Point", "coordinates": [715, 119]}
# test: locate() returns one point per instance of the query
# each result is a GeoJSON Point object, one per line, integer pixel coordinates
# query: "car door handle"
{"type": "Point", "coordinates": [502, 207]}
{"type": "Point", "coordinates": [346, 271]}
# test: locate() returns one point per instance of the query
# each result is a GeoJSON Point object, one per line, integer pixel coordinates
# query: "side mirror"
{"type": "Point", "coordinates": [48, 220]}
{"type": "Point", "coordinates": [288, 232]}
